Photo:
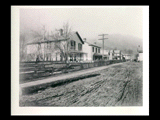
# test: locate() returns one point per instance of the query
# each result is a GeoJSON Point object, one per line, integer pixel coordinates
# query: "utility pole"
{"type": "Point", "coordinates": [103, 44]}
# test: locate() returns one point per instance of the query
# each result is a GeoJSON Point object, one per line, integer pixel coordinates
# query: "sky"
{"type": "Point", "coordinates": [88, 21]}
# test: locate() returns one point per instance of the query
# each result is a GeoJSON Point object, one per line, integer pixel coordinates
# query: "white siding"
{"type": "Point", "coordinates": [87, 49]}
{"type": "Point", "coordinates": [140, 58]}
{"type": "Point", "coordinates": [76, 39]}
{"type": "Point", "coordinates": [110, 57]}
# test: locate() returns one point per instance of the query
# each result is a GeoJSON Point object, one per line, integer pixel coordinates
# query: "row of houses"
{"type": "Point", "coordinates": [72, 49]}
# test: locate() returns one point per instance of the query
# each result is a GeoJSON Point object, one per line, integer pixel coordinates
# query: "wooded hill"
{"type": "Point", "coordinates": [117, 41]}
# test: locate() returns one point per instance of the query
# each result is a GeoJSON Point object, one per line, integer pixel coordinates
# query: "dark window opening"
{"type": "Point", "coordinates": [79, 46]}
{"type": "Point", "coordinates": [96, 50]}
{"type": "Point", "coordinates": [73, 44]}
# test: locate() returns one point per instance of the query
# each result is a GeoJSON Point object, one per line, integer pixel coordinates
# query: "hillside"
{"type": "Point", "coordinates": [117, 41]}
{"type": "Point", "coordinates": [120, 42]}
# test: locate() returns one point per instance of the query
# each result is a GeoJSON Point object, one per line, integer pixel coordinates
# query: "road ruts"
{"type": "Point", "coordinates": [115, 86]}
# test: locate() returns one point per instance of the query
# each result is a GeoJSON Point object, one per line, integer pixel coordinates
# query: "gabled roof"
{"type": "Point", "coordinates": [39, 40]}
{"type": "Point", "coordinates": [92, 44]}
{"type": "Point", "coordinates": [45, 41]}
{"type": "Point", "coordinates": [97, 54]}
{"type": "Point", "coordinates": [79, 37]}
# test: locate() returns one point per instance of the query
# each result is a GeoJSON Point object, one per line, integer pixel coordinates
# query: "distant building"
{"type": "Point", "coordinates": [127, 56]}
{"type": "Point", "coordinates": [140, 55]}
{"type": "Point", "coordinates": [134, 57]}
{"type": "Point", "coordinates": [93, 51]}
{"type": "Point", "coordinates": [117, 54]}
{"type": "Point", "coordinates": [106, 54]}
{"type": "Point", "coordinates": [111, 56]}
{"type": "Point", "coordinates": [114, 54]}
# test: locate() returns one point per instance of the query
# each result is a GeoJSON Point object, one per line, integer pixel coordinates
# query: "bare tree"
{"type": "Point", "coordinates": [22, 46]}
{"type": "Point", "coordinates": [61, 37]}
{"type": "Point", "coordinates": [62, 45]}
{"type": "Point", "coordinates": [39, 35]}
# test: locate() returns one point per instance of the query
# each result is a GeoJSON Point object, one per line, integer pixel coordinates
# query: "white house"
{"type": "Point", "coordinates": [117, 54]}
{"type": "Point", "coordinates": [93, 51]}
{"type": "Point", "coordinates": [112, 54]}
{"type": "Point", "coordinates": [140, 53]}
{"type": "Point", "coordinates": [106, 54]}
{"type": "Point", "coordinates": [140, 56]}
{"type": "Point", "coordinates": [127, 56]}
{"type": "Point", "coordinates": [53, 50]}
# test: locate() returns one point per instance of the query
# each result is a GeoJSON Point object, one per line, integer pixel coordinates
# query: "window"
{"type": "Point", "coordinates": [96, 50]}
{"type": "Point", "coordinates": [79, 46]}
{"type": "Point", "coordinates": [73, 44]}
{"type": "Point", "coordinates": [71, 57]}
{"type": "Point", "coordinates": [92, 49]}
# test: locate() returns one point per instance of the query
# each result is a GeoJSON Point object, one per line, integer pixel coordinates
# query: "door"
{"type": "Point", "coordinates": [75, 57]}
{"type": "Point", "coordinates": [71, 57]}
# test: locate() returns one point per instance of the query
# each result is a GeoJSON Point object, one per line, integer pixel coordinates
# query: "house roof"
{"type": "Point", "coordinates": [117, 51]}
{"type": "Point", "coordinates": [92, 44]}
{"type": "Point", "coordinates": [79, 37]}
{"type": "Point", "coordinates": [39, 40]}
{"type": "Point", "coordinates": [97, 54]}
{"type": "Point", "coordinates": [45, 41]}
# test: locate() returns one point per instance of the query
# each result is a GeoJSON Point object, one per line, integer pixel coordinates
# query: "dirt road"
{"type": "Point", "coordinates": [115, 86]}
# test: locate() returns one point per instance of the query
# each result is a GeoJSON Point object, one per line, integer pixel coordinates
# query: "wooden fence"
{"type": "Point", "coordinates": [27, 69]}
{"type": "Point", "coordinates": [99, 63]}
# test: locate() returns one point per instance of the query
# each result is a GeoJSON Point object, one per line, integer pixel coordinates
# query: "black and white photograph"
{"type": "Point", "coordinates": [86, 57]}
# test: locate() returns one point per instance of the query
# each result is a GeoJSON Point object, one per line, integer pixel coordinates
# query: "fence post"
{"type": "Point", "coordinates": [81, 65]}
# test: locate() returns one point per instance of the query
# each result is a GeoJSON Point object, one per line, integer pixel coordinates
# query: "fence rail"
{"type": "Point", "coordinates": [31, 69]}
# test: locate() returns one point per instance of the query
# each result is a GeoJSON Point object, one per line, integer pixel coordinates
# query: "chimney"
{"type": "Point", "coordinates": [61, 32]}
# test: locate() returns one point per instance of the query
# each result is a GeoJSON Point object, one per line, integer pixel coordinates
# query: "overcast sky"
{"type": "Point", "coordinates": [88, 21]}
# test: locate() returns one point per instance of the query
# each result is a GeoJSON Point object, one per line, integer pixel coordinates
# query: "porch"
{"type": "Point", "coordinates": [97, 56]}
{"type": "Point", "coordinates": [75, 55]}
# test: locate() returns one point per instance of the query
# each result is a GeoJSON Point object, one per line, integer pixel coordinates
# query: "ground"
{"type": "Point", "coordinates": [119, 85]}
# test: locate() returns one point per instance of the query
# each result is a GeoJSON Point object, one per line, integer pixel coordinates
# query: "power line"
{"type": "Point", "coordinates": [103, 43]}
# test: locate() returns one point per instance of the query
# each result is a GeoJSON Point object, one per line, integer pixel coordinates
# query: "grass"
{"type": "Point", "coordinates": [115, 86]}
